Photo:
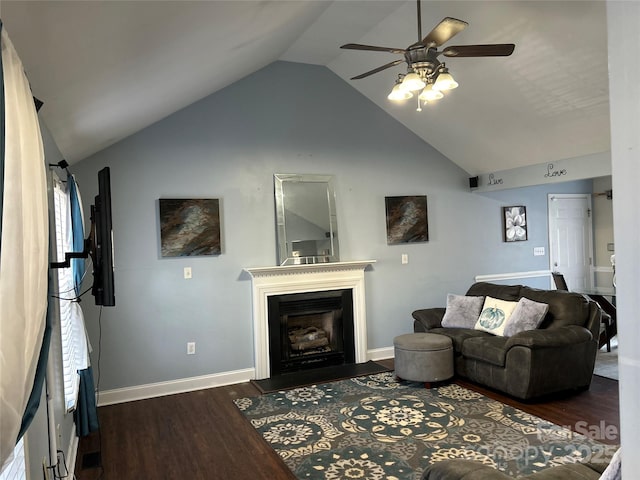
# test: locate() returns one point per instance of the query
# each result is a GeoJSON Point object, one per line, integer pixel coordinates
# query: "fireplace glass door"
{"type": "Point", "coordinates": [310, 330]}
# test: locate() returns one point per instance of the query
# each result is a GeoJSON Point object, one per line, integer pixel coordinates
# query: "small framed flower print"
{"type": "Point", "coordinates": [515, 223]}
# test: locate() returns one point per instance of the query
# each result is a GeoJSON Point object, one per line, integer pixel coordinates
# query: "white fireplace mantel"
{"type": "Point", "coordinates": [316, 277]}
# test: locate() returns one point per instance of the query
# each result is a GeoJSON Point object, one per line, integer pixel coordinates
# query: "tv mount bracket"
{"type": "Point", "coordinates": [69, 255]}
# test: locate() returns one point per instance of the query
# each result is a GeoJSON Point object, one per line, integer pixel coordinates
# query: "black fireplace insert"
{"type": "Point", "coordinates": [310, 330]}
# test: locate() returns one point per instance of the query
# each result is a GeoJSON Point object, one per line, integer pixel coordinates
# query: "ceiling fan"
{"type": "Point", "coordinates": [424, 70]}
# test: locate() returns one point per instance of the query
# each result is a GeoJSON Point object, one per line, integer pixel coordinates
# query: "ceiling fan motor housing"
{"type": "Point", "coordinates": [422, 59]}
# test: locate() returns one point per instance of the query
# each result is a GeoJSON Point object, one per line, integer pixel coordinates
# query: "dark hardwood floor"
{"type": "Point", "coordinates": [202, 435]}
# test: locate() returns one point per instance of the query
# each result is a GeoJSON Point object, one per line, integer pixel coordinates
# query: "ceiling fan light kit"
{"type": "Point", "coordinates": [424, 71]}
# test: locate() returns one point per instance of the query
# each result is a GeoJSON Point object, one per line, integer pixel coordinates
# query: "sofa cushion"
{"type": "Point", "coordinates": [527, 315]}
{"type": "Point", "coordinates": [462, 311]}
{"type": "Point", "coordinates": [565, 308]}
{"type": "Point", "coordinates": [459, 336]}
{"type": "Point", "coordinates": [492, 349]}
{"type": "Point", "coordinates": [495, 315]}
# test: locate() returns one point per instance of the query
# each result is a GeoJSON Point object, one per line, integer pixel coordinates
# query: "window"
{"type": "Point", "coordinates": [74, 348]}
{"type": "Point", "coordinates": [14, 467]}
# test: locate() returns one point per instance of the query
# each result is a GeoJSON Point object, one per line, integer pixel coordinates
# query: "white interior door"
{"type": "Point", "coordinates": [570, 239]}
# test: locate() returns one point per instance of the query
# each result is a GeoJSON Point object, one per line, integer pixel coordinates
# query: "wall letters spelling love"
{"type": "Point", "coordinates": [554, 173]}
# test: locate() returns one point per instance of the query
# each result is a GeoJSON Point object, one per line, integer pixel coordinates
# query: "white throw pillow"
{"type": "Point", "coordinates": [528, 315]}
{"type": "Point", "coordinates": [494, 316]}
{"type": "Point", "coordinates": [462, 311]}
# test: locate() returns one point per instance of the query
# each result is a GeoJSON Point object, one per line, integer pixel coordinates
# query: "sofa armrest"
{"type": "Point", "coordinates": [551, 337]}
{"type": "Point", "coordinates": [462, 470]}
{"type": "Point", "coordinates": [427, 318]}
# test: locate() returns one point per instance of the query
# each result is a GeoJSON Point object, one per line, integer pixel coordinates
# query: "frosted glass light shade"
{"type": "Point", "coordinates": [398, 93]}
{"type": "Point", "coordinates": [412, 82]}
{"type": "Point", "coordinates": [429, 94]}
{"type": "Point", "coordinates": [445, 82]}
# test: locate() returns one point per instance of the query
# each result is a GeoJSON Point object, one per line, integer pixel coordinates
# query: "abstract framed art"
{"type": "Point", "coordinates": [514, 223]}
{"type": "Point", "coordinates": [407, 219]}
{"type": "Point", "coordinates": [189, 227]}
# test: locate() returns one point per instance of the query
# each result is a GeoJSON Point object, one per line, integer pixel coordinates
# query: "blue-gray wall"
{"type": "Point", "coordinates": [286, 118]}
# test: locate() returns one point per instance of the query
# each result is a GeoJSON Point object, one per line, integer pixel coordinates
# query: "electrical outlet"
{"type": "Point", "coordinates": [187, 272]}
{"type": "Point", "coordinates": [191, 348]}
{"type": "Point", "coordinates": [405, 259]}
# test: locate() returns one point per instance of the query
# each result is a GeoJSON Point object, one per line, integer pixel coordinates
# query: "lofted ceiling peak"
{"type": "Point", "coordinates": [107, 69]}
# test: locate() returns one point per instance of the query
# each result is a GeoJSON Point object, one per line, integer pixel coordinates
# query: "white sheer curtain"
{"type": "Point", "coordinates": [23, 248]}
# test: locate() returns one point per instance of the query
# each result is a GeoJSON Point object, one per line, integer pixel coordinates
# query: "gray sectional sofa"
{"type": "Point", "coordinates": [557, 356]}
{"type": "Point", "coordinates": [606, 465]}
{"type": "Point", "coordinates": [469, 470]}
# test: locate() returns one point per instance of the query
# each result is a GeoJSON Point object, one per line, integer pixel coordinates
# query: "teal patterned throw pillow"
{"type": "Point", "coordinates": [494, 315]}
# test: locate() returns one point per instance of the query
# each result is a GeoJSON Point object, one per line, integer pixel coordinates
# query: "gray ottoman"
{"type": "Point", "coordinates": [423, 357]}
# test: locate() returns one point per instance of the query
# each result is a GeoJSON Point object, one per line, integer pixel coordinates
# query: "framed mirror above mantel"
{"type": "Point", "coordinates": [306, 222]}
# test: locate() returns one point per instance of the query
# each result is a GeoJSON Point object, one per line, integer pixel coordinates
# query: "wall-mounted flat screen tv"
{"type": "Point", "coordinates": [102, 248]}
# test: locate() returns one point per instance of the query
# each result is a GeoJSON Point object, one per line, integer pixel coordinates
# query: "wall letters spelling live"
{"type": "Point", "coordinates": [493, 180]}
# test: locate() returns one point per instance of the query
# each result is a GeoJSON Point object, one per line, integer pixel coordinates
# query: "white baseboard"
{"type": "Point", "coordinates": [380, 353]}
{"type": "Point", "coordinates": [72, 453]}
{"type": "Point", "coordinates": [182, 385]}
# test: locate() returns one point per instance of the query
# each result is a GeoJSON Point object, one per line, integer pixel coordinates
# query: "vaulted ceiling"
{"type": "Point", "coordinates": [106, 69]}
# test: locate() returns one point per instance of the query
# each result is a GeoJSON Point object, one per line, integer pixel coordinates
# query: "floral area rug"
{"type": "Point", "coordinates": [375, 427]}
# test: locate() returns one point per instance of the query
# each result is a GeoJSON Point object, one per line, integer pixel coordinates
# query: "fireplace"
{"type": "Point", "coordinates": [310, 330]}
{"type": "Point", "coordinates": [283, 280]}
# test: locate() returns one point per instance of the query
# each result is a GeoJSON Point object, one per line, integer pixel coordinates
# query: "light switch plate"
{"type": "Point", "coordinates": [187, 272]}
{"type": "Point", "coordinates": [405, 258]}
{"type": "Point", "coordinates": [538, 251]}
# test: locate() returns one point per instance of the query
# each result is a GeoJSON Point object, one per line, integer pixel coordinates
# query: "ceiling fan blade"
{"type": "Point", "coordinates": [379, 69]}
{"type": "Point", "coordinates": [357, 46]}
{"type": "Point", "coordinates": [442, 32]}
{"type": "Point", "coordinates": [495, 50]}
